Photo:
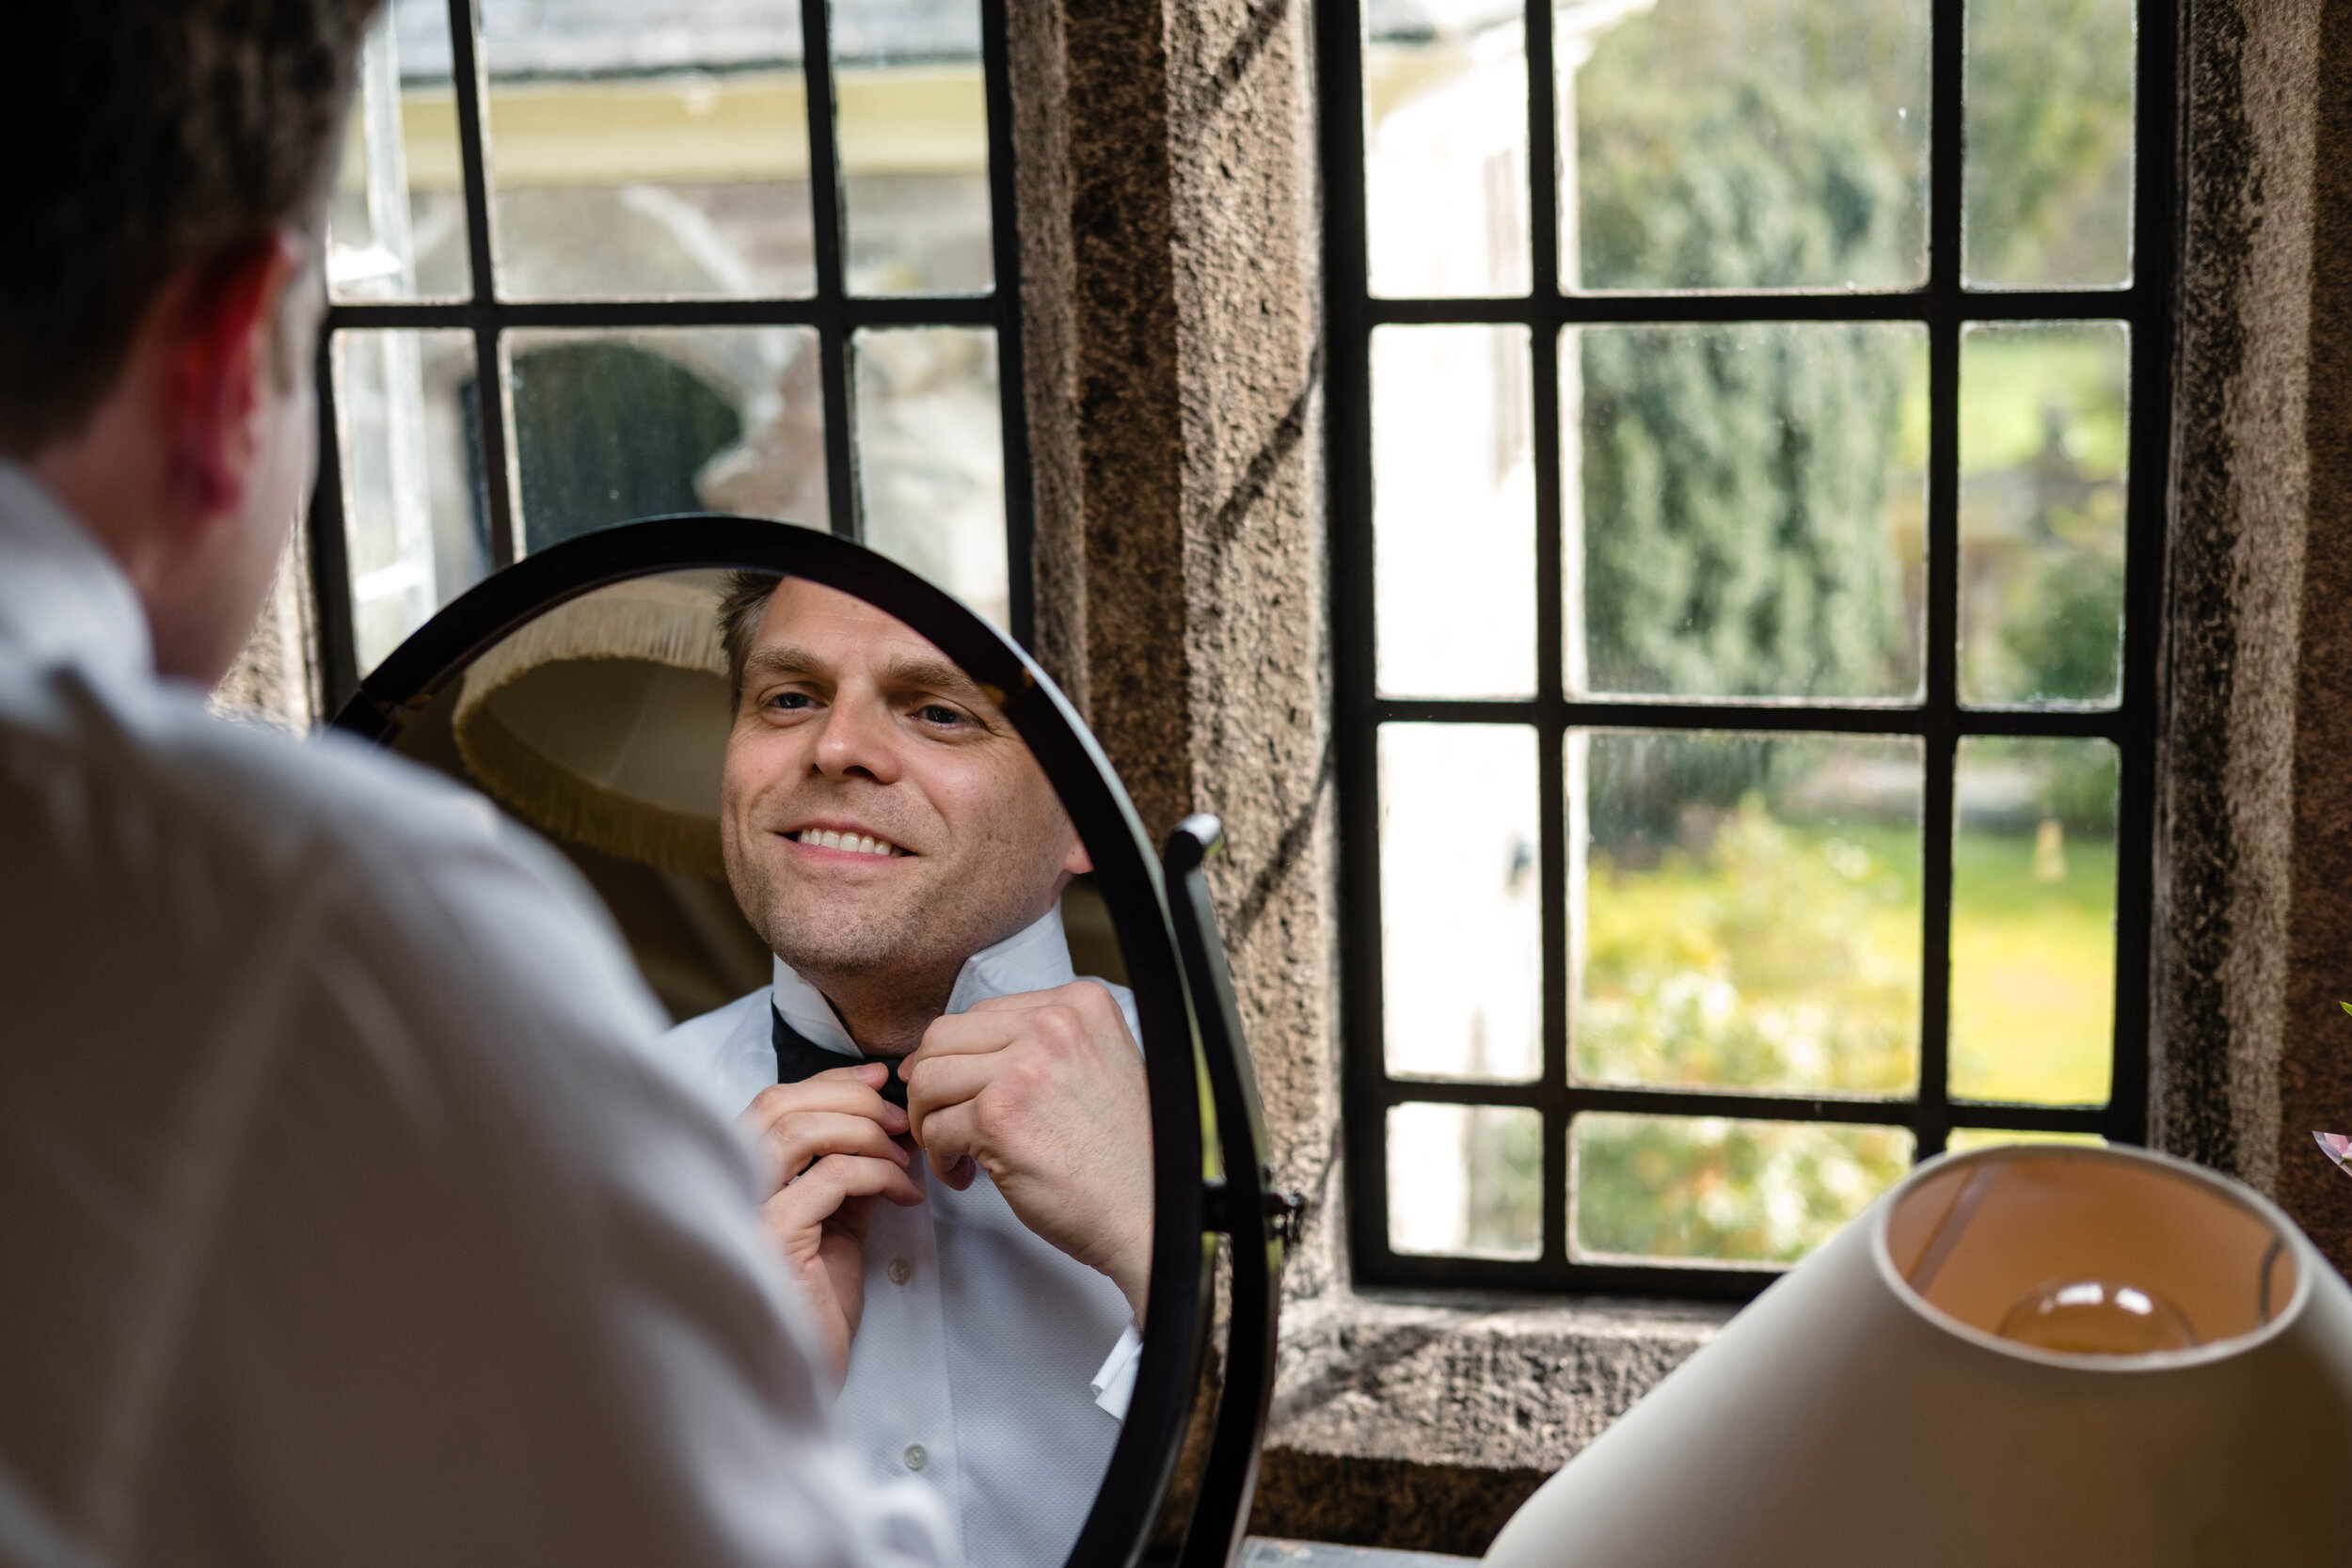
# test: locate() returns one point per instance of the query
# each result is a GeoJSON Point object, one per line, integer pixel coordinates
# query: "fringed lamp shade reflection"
{"type": "Point", "coordinates": [605, 720]}
{"type": "Point", "coordinates": [2034, 1355]}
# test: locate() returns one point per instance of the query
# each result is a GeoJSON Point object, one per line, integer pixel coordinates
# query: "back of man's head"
{"type": "Point", "coordinates": [139, 138]}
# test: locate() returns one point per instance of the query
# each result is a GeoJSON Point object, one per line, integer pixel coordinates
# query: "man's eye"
{"type": "Point", "coordinates": [791, 699]}
{"type": "Point", "coordinates": [936, 713]}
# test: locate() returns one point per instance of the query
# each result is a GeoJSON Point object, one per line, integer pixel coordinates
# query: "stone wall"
{"type": "Point", "coordinates": [276, 679]}
{"type": "Point", "coordinates": [2253, 920]}
{"type": "Point", "coordinates": [1168, 250]}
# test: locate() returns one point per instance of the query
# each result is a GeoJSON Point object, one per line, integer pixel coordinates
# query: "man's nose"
{"type": "Point", "coordinates": [859, 741]}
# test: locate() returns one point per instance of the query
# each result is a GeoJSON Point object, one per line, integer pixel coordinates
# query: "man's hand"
{"type": "Point", "coordinates": [826, 1152]}
{"type": "Point", "coordinates": [1046, 1092]}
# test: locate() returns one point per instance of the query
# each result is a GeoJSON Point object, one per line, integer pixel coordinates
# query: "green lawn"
{"type": "Point", "coordinates": [1789, 960]}
{"type": "Point", "coordinates": [1782, 959]}
{"type": "Point", "coordinates": [1787, 957]}
{"type": "Point", "coordinates": [2033, 973]}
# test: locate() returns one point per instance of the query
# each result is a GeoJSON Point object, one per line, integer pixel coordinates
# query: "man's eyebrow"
{"type": "Point", "coordinates": [930, 675]}
{"type": "Point", "coordinates": [783, 658]}
{"type": "Point", "coordinates": [946, 678]}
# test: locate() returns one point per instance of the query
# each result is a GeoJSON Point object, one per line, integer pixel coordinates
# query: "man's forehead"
{"type": "Point", "coordinates": [823, 620]}
{"type": "Point", "coordinates": [811, 624]}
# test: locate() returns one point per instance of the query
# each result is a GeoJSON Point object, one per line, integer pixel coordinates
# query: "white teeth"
{"type": "Point", "coordinates": [855, 844]}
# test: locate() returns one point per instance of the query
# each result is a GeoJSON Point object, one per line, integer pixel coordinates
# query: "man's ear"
{"type": "Point", "coordinates": [1077, 863]}
{"type": "Point", "coordinates": [221, 365]}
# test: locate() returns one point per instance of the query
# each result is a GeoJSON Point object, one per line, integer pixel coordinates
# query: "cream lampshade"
{"type": "Point", "coordinates": [605, 721]}
{"type": "Point", "coordinates": [2027, 1357]}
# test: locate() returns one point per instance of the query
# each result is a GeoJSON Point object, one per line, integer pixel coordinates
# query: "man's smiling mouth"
{"type": "Point", "coordinates": [849, 843]}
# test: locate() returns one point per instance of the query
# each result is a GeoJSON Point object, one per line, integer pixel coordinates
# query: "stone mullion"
{"type": "Point", "coordinates": [1169, 245]}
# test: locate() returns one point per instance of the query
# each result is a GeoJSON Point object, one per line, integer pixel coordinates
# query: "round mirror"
{"type": "Point", "coordinates": [890, 891]}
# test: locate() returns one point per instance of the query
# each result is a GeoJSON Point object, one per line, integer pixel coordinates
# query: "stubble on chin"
{"type": "Point", "coordinates": [836, 944]}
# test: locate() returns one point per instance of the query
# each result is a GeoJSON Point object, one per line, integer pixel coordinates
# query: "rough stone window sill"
{"type": "Point", "coordinates": [1498, 1381]}
{"type": "Point", "coordinates": [1422, 1421]}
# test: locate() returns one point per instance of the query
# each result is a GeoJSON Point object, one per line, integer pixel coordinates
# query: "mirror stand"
{"type": "Point", "coordinates": [1257, 1221]}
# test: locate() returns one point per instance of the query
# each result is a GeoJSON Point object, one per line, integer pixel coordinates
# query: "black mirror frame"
{"type": "Point", "coordinates": [1260, 1221]}
{"type": "Point", "coordinates": [1181, 993]}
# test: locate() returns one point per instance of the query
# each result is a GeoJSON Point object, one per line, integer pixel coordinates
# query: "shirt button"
{"type": "Point", "coordinates": [916, 1457]}
{"type": "Point", "coordinates": [900, 1271]}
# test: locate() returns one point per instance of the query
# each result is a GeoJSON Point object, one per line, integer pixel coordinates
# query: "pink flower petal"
{"type": "Point", "coordinates": [2336, 1146]}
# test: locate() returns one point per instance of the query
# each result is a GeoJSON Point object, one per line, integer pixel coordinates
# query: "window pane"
{"type": "Point", "coordinates": [1747, 910]}
{"type": "Point", "coordinates": [2050, 134]}
{"type": "Point", "coordinates": [2033, 921]}
{"type": "Point", "coordinates": [913, 117]}
{"type": "Point", "coordinates": [1466, 1179]}
{"type": "Point", "coordinates": [639, 152]}
{"type": "Point", "coordinates": [1717, 1190]}
{"type": "Point", "coordinates": [1771, 144]}
{"type": "Point", "coordinates": [413, 517]}
{"type": "Point", "coordinates": [1968, 1140]}
{"type": "Point", "coordinates": [396, 225]}
{"type": "Point", "coordinates": [1460, 901]}
{"type": "Point", "coordinates": [1445, 149]}
{"type": "Point", "coordinates": [613, 426]}
{"type": "Point", "coordinates": [2043, 449]}
{"type": "Point", "coordinates": [1453, 511]}
{"type": "Point", "coordinates": [931, 457]}
{"type": "Point", "coordinates": [1752, 511]}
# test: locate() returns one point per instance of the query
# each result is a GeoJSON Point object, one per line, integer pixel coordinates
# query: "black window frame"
{"type": "Point", "coordinates": [835, 312]}
{"type": "Point", "coordinates": [1943, 306]}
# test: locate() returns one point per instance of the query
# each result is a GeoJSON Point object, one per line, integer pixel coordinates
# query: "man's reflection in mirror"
{"type": "Point", "coordinates": [954, 1128]}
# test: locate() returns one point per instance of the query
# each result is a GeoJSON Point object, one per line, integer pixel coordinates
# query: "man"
{"type": "Point", "coordinates": [342, 1220]}
{"type": "Point", "coordinates": [896, 844]}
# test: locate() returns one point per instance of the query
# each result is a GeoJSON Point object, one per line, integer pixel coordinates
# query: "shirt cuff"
{"type": "Point", "coordinates": [1114, 1384]}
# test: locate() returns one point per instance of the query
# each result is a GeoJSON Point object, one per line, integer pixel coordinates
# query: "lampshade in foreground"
{"type": "Point", "coordinates": [2028, 1356]}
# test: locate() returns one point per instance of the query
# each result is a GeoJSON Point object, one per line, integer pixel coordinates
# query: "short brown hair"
{"type": "Point", "coordinates": [139, 138]}
{"type": "Point", "coordinates": [741, 603]}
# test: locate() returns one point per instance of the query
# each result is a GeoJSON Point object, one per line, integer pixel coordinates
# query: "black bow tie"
{"type": "Point", "coordinates": [798, 1057]}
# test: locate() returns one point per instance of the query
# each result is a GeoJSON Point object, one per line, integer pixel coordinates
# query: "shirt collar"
{"type": "Point", "coordinates": [1036, 958]}
{"type": "Point", "coordinates": [63, 600]}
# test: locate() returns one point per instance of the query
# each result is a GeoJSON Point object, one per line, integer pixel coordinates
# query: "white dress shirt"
{"type": "Point", "coordinates": [979, 1360]}
{"type": "Point", "coordinates": [342, 1218]}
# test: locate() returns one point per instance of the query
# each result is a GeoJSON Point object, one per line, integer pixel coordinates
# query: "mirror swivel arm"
{"type": "Point", "coordinates": [1282, 1220]}
{"type": "Point", "coordinates": [1286, 1216]}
